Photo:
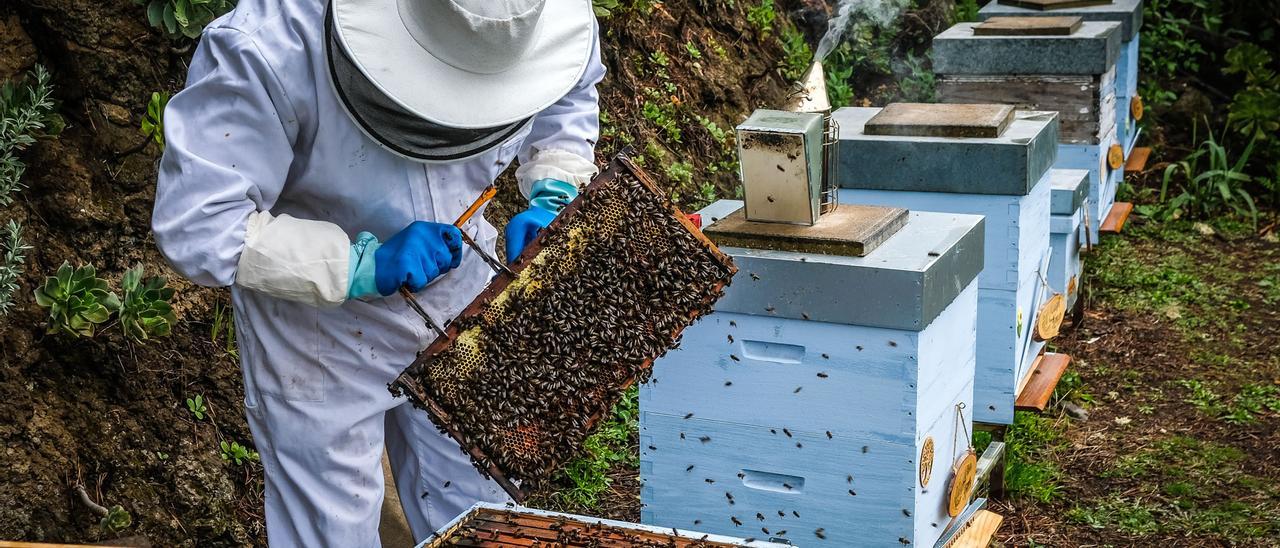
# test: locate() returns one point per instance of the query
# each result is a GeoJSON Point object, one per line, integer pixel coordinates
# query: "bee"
{"type": "Point", "coordinates": [729, 496]}
{"type": "Point", "coordinates": [795, 513]}
{"type": "Point", "coordinates": [787, 432]}
{"type": "Point", "coordinates": [689, 468]}
{"type": "Point", "coordinates": [730, 338]}
{"type": "Point", "coordinates": [799, 445]}
{"type": "Point", "coordinates": [765, 529]}
{"type": "Point", "coordinates": [829, 434]}
{"type": "Point", "coordinates": [852, 494]}
{"type": "Point", "coordinates": [447, 484]}
{"type": "Point", "coordinates": [865, 449]}
{"type": "Point", "coordinates": [822, 375]}
{"type": "Point", "coordinates": [652, 448]}
{"type": "Point", "coordinates": [820, 533]}
{"type": "Point", "coordinates": [906, 512]}
{"type": "Point", "coordinates": [754, 276]}
{"type": "Point", "coordinates": [688, 416]}
{"type": "Point", "coordinates": [769, 309]}
{"type": "Point", "coordinates": [849, 478]}
{"type": "Point", "coordinates": [759, 516]}
{"type": "Point", "coordinates": [741, 475]}
{"type": "Point", "coordinates": [797, 390]}
{"type": "Point", "coordinates": [682, 435]}
{"type": "Point", "coordinates": [825, 356]}
{"type": "Point", "coordinates": [733, 323]}
{"type": "Point", "coordinates": [735, 521]}
{"type": "Point", "coordinates": [728, 383]}
{"type": "Point", "coordinates": [893, 344]}
{"type": "Point", "coordinates": [787, 485]}
{"type": "Point", "coordinates": [859, 347]}
{"type": "Point", "coordinates": [781, 533]}
{"type": "Point", "coordinates": [704, 439]}
{"type": "Point", "coordinates": [804, 315]}
{"type": "Point", "coordinates": [734, 358]}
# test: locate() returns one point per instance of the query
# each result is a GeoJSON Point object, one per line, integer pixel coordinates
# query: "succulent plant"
{"type": "Point", "coordinates": [145, 310]}
{"type": "Point", "coordinates": [77, 299]}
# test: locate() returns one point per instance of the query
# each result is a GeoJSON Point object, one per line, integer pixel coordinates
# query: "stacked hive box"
{"type": "Point", "coordinates": [1003, 178]}
{"type": "Point", "coordinates": [1129, 14]}
{"type": "Point", "coordinates": [818, 402]}
{"type": "Point", "coordinates": [1066, 230]}
{"type": "Point", "coordinates": [1072, 73]}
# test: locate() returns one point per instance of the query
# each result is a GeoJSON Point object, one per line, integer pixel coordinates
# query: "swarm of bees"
{"type": "Point", "coordinates": [527, 370]}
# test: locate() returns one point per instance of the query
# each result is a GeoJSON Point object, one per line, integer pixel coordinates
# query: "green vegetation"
{"type": "Point", "coordinates": [26, 113]}
{"type": "Point", "coordinates": [239, 454]}
{"type": "Point", "coordinates": [762, 16]}
{"type": "Point", "coordinates": [225, 328]}
{"type": "Point", "coordinates": [1029, 472]}
{"type": "Point", "coordinates": [965, 11]}
{"type": "Point", "coordinates": [1211, 183]}
{"type": "Point", "coordinates": [197, 407]}
{"type": "Point", "coordinates": [1186, 486]}
{"type": "Point", "coordinates": [12, 256]}
{"type": "Point", "coordinates": [796, 53]}
{"type": "Point", "coordinates": [919, 85]}
{"type": "Point", "coordinates": [184, 18]}
{"type": "Point", "coordinates": [613, 443]}
{"type": "Point", "coordinates": [692, 49]}
{"type": "Point", "coordinates": [153, 120]}
{"type": "Point", "coordinates": [77, 299]}
{"type": "Point", "coordinates": [1243, 408]}
{"type": "Point", "coordinates": [145, 310]}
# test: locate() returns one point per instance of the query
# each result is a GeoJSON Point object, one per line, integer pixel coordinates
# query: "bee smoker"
{"type": "Point", "coordinates": [788, 158]}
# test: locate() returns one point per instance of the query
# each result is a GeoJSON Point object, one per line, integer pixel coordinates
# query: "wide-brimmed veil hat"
{"type": "Point", "coordinates": [467, 64]}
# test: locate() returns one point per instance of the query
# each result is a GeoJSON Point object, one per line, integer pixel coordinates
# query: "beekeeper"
{"type": "Point", "coordinates": [314, 163]}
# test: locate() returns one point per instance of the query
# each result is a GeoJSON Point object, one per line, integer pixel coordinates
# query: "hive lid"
{"type": "Point", "coordinates": [1069, 187]}
{"type": "Point", "coordinates": [850, 230]}
{"type": "Point", "coordinates": [940, 120]}
{"type": "Point", "coordinates": [1011, 164]}
{"type": "Point", "coordinates": [1093, 49]}
{"type": "Point", "coordinates": [1062, 25]}
{"type": "Point", "coordinates": [1126, 12]}
{"type": "Point", "coordinates": [1044, 5]}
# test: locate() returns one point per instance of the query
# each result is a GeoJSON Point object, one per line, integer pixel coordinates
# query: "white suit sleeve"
{"type": "Point", "coordinates": [229, 148]}
{"type": "Point", "coordinates": [562, 142]}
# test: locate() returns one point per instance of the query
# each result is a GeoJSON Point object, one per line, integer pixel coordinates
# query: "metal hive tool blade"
{"type": "Point", "coordinates": [525, 372]}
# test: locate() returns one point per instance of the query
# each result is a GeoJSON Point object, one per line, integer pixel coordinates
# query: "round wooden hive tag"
{"type": "Point", "coordinates": [926, 461]}
{"type": "Point", "coordinates": [1136, 108]}
{"type": "Point", "coordinates": [1115, 156]}
{"type": "Point", "coordinates": [962, 476]}
{"type": "Point", "coordinates": [1049, 319]}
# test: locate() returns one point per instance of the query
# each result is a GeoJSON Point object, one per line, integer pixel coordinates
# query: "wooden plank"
{"type": "Point", "coordinates": [1116, 220]}
{"type": "Point", "coordinates": [850, 230]}
{"type": "Point", "coordinates": [979, 532]}
{"type": "Point", "coordinates": [1028, 26]}
{"type": "Point", "coordinates": [1043, 379]}
{"type": "Point", "coordinates": [1137, 161]}
{"type": "Point", "coordinates": [1045, 5]}
{"type": "Point", "coordinates": [982, 120]}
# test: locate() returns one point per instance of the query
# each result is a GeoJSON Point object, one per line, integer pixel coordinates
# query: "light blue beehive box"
{"type": "Point", "coordinates": [1005, 180]}
{"type": "Point", "coordinates": [877, 351]}
{"type": "Point", "coordinates": [1126, 12]}
{"type": "Point", "coordinates": [1073, 75]}
{"type": "Point", "coordinates": [1069, 188]}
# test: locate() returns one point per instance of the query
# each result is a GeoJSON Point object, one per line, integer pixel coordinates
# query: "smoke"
{"type": "Point", "coordinates": [857, 13]}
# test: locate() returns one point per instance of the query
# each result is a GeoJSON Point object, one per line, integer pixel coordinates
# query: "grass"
{"type": "Point", "coordinates": [1185, 486]}
{"type": "Point", "coordinates": [1030, 472]}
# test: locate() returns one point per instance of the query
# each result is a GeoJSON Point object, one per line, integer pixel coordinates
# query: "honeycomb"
{"type": "Point", "coordinates": [528, 369]}
{"type": "Point", "coordinates": [517, 527]}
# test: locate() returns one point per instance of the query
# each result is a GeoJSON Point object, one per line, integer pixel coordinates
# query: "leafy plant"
{"type": "Point", "coordinates": [1209, 189]}
{"type": "Point", "coordinates": [611, 444]}
{"type": "Point", "coordinates": [224, 326]}
{"type": "Point", "coordinates": [234, 452]}
{"type": "Point", "coordinates": [605, 8]}
{"type": "Point", "coordinates": [693, 50]}
{"type": "Point", "coordinates": [196, 406]}
{"type": "Point", "coordinates": [117, 519]}
{"type": "Point", "coordinates": [77, 299]}
{"type": "Point", "coordinates": [965, 11]}
{"type": "Point", "coordinates": [796, 56]}
{"type": "Point", "coordinates": [762, 16]}
{"type": "Point", "coordinates": [26, 111]}
{"type": "Point", "coordinates": [919, 85]}
{"type": "Point", "coordinates": [11, 263]}
{"type": "Point", "coordinates": [145, 310]}
{"type": "Point", "coordinates": [184, 18]}
{"type": "Point", "coordinates": [153, 120]}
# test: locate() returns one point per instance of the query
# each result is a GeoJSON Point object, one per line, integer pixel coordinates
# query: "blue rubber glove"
{"type": "Point", "coordinates": [415, 256]}
{"type": "Point", "coordinates": [546, 199]}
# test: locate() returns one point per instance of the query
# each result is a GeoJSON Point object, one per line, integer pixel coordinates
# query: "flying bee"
{"type": "Point", "coordinates": [822, 375]}
{"type": "Point", "coordinates": [735, 521]}
{"type": "Point", "coordinates": [820, 533]}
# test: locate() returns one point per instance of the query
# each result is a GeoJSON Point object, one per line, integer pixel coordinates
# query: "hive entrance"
{"type": "Point", "coordinates": [527, 369]}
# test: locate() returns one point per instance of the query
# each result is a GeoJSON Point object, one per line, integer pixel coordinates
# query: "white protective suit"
{"type": "Point", "coordinates": [258, 138]}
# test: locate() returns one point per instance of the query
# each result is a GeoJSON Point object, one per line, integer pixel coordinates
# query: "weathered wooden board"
{"type": "Point", "coordinates": [1055, 4]}
{"type": "Point", "coordinates": [851, 230]}
{"type": "Point", "coordinates": [940, 120]}
{"type": "Point", "coordinates": [1086, 104]}
{"type": "Point", "coordinates": [1028, 26]}
{"type": "Point", "coordinates": [1048, 370]}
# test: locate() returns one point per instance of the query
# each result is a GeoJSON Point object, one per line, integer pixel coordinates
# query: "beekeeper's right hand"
{"type": "Point", "coordinates": [414, 257]}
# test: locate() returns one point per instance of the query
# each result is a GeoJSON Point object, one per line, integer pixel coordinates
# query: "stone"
{"type": "Point", "coordinates": [940, 120]}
